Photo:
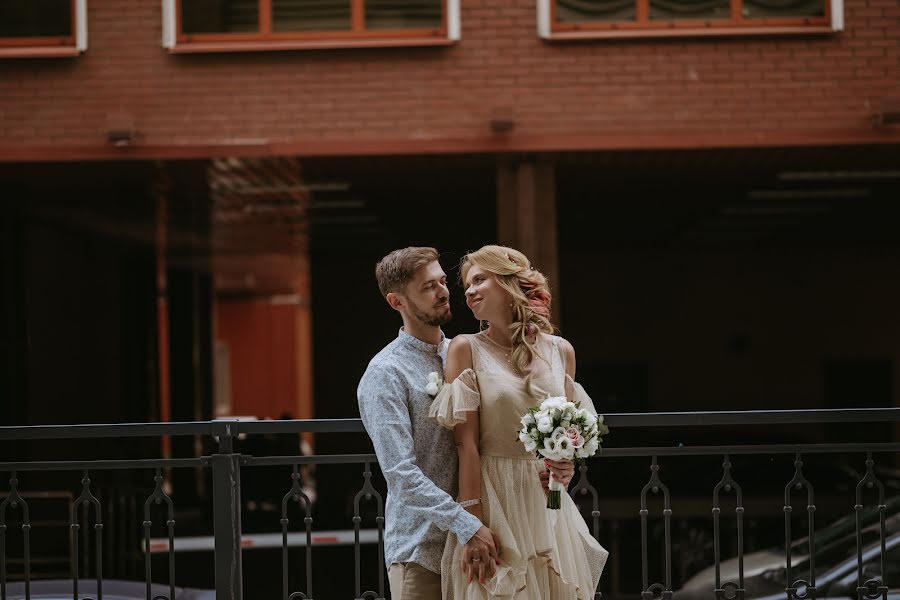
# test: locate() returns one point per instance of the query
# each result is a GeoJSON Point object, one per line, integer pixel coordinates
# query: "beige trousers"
{"type": "Point", "coordinates": [410, 581]}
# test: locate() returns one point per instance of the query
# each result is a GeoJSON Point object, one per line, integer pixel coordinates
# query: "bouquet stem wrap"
{"type": "Point", "coordinates": [554, 498]}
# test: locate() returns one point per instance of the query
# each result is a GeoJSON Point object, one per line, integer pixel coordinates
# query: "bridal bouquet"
{"type": "Point", "coordinates": [561, 430]}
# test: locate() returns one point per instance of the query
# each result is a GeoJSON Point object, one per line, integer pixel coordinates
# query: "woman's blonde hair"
{"type": "Point", "coordinates": [530, 296]}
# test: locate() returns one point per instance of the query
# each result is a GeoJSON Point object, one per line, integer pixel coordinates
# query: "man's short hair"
{"type": "Point", "coordinates": [397, 269]}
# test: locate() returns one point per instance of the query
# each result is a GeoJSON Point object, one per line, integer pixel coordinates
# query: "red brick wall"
{"type": "Point", "coordinates": [751, 87]}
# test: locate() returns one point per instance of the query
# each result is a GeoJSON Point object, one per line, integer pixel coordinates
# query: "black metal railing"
{"type": "Point", "coordinates": [656, 550]}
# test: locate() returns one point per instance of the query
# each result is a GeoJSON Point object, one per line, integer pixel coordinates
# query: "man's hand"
{"type": "Point", "coordinates": [481, 555]}
{"type": "Point", "coordinates": [563, 471]}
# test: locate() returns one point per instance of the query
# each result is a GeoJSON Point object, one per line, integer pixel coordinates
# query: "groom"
{"type": "Point", "coordinates": [417, 456]}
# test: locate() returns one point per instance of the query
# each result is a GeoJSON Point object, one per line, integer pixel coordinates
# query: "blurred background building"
{"type": "Point", "coordinates": [195, 193]}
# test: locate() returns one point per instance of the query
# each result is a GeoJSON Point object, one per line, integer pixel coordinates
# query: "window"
{"type": "Point", "coordinates": [43, 27]}
{"type": "Point", "coordinates": [222, 25]}
{"type": "Point", "coordinates": [561, 19]}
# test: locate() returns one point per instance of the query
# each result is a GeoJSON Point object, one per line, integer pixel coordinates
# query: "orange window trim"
{"type": "Point", "coordinates": [322, 43]}
{"type": "Point", "coordinates": [41, 42]}
{"type": "Point", "coordinates": [265, 33]}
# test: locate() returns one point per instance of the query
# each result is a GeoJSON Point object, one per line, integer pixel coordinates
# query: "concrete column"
{"type": "Point", "coordinates": [526, 216]}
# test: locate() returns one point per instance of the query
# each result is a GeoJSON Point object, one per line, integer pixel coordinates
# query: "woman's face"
{"type": "Point", "coordinates": [488, 301]}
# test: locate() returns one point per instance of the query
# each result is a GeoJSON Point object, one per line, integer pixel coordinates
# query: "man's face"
{"type": "Point", "coordinates": [427, 297]}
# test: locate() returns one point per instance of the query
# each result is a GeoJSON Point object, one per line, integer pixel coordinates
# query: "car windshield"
{"type": "Point", "coordinates": [830, 552]}
{"type": "Point", "coordinates": [839, 529]}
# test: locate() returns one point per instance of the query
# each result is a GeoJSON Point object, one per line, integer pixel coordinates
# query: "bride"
{"type": "Point", "coordinates": [492, 379]}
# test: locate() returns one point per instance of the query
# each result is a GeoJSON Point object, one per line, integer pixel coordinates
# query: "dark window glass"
{"type": "Point", "coordinates": [783, 8]}
{"type": "Point", "coordinates": [404, 14]}
{"type": "Point", "coordinates": [35, 18]}
{"type": "Point", "coordinates": [219, 16]}
{"type": "Point", "coordinates": [577, 11]}
{"type": "Point", "coordinates": [311, 15]}
{"type": "Point", "coordinates": [672, 10]}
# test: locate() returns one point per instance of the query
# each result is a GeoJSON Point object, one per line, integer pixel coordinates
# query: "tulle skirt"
{"type": "Point", "coordinates": [544, 554]}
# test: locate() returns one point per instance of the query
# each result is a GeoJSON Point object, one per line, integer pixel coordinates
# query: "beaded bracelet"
{"type": "Point", "coordinates": [472, 502]}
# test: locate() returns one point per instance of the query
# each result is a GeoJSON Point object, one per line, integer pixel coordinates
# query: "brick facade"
{"type": "Point", "coordinates": [601, 93]}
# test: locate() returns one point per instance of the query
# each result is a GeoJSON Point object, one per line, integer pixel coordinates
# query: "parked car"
{"type": "Point", "coordinates": [773, 558]}
{"type": "Point", "coordinates": [835, 568]}
{"type": "Point", "coordinates": [113, 589]}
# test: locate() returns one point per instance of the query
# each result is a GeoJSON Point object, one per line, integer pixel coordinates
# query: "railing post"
{"type": "Point", "coordinates": [227, 516]}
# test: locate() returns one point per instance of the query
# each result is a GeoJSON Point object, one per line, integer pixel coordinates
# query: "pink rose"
{"type": "Point", "coordinates": [575, 437]}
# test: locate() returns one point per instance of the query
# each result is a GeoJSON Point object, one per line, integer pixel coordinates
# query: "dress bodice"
{"type": "Point", "coordinates": [504, 397]}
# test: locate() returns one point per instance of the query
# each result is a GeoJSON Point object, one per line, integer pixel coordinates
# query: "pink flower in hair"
{"type": "Point", "coordinates": [540, 301]}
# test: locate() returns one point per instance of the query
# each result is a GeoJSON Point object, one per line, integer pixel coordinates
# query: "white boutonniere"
{"type": "Point", "coordinates": [434, 384]}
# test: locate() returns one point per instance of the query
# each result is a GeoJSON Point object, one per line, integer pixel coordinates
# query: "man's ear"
{"type": "Point", "coordinates": [395, 300]}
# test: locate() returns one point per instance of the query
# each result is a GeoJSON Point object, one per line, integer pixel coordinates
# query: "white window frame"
{"type": "Point", "coordinates": [81, 30]}
{"type": "Point", "coordinates": [170, 24]}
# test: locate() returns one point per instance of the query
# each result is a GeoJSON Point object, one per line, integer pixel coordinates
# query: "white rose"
{"type": "Point", "coordinates": [551, 403]}
{"type": "Point", "coordinates": [528, 419]}
{"type": "Point", "coordinates": [558, 434]}
{"type": "Point", "coordinates": [544, 424]}
{"type": "Point", "coordinates": [590, 447]}
{"type": "Point", "coordinates": [530, 445]}
{"type": "Point", "coordinates": [433, 383]}
{"type": "Point", "coordinates": [565, 449]}
{"type": "Point", "coordinates": [523, 436]}
{"type": "Point", "coordinates": [550, 449]}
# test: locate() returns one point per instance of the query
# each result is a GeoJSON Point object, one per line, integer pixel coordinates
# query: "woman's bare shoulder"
{"type": "Point", "coordinates": [459, 356]}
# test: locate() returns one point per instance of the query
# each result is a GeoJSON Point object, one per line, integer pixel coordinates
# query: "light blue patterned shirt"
{"type": "Point", "coordinates": [417, 455]}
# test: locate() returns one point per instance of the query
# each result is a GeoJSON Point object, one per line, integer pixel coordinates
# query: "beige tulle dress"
{"type": "Point", "coordinates": [544, 554]}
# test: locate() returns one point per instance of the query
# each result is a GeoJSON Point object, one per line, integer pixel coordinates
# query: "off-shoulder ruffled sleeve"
{"type": "Point", "coordinates": [575, 393]}
{"type": "Point", "coordinates": [455, 400]}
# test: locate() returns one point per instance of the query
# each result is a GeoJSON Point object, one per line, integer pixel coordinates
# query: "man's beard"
{"type": "Point", "coordinates": [432, 319]}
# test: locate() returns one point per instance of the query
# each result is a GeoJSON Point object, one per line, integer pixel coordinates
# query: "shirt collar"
{"type": "Point", "coordinates": [414, 342]}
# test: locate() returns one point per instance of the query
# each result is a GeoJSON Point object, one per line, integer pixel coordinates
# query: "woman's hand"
{"type": "Point", "coordinates": [563, 471]}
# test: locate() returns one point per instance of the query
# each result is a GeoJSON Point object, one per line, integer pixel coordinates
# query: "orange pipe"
{"type": "Point", "coordinates": [162, 316]}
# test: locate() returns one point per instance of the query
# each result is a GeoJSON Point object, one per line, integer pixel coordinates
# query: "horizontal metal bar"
{"type": "Point", "coordinates": [747, 449]}
{"type": "Point", "coordinates": [80, 465]}
{"type": "Point", "coordinates": [44, 432]}
{"type": "Point", "coordinates": [251, 541]}
{"type": "Point", "coordinates": [753, 417]}
{"type": "Point", "coordinates": [321, 459]}
{"type": "Point", "coordinates": [235, 427]}
{"type": "Point", "coordinates": [302, 426]}
{"type": "Point", "coordinates": [333, 459]}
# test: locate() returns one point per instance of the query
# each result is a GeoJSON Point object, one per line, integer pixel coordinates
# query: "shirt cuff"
{"type": "Point", "coordinates": [465, 526]}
